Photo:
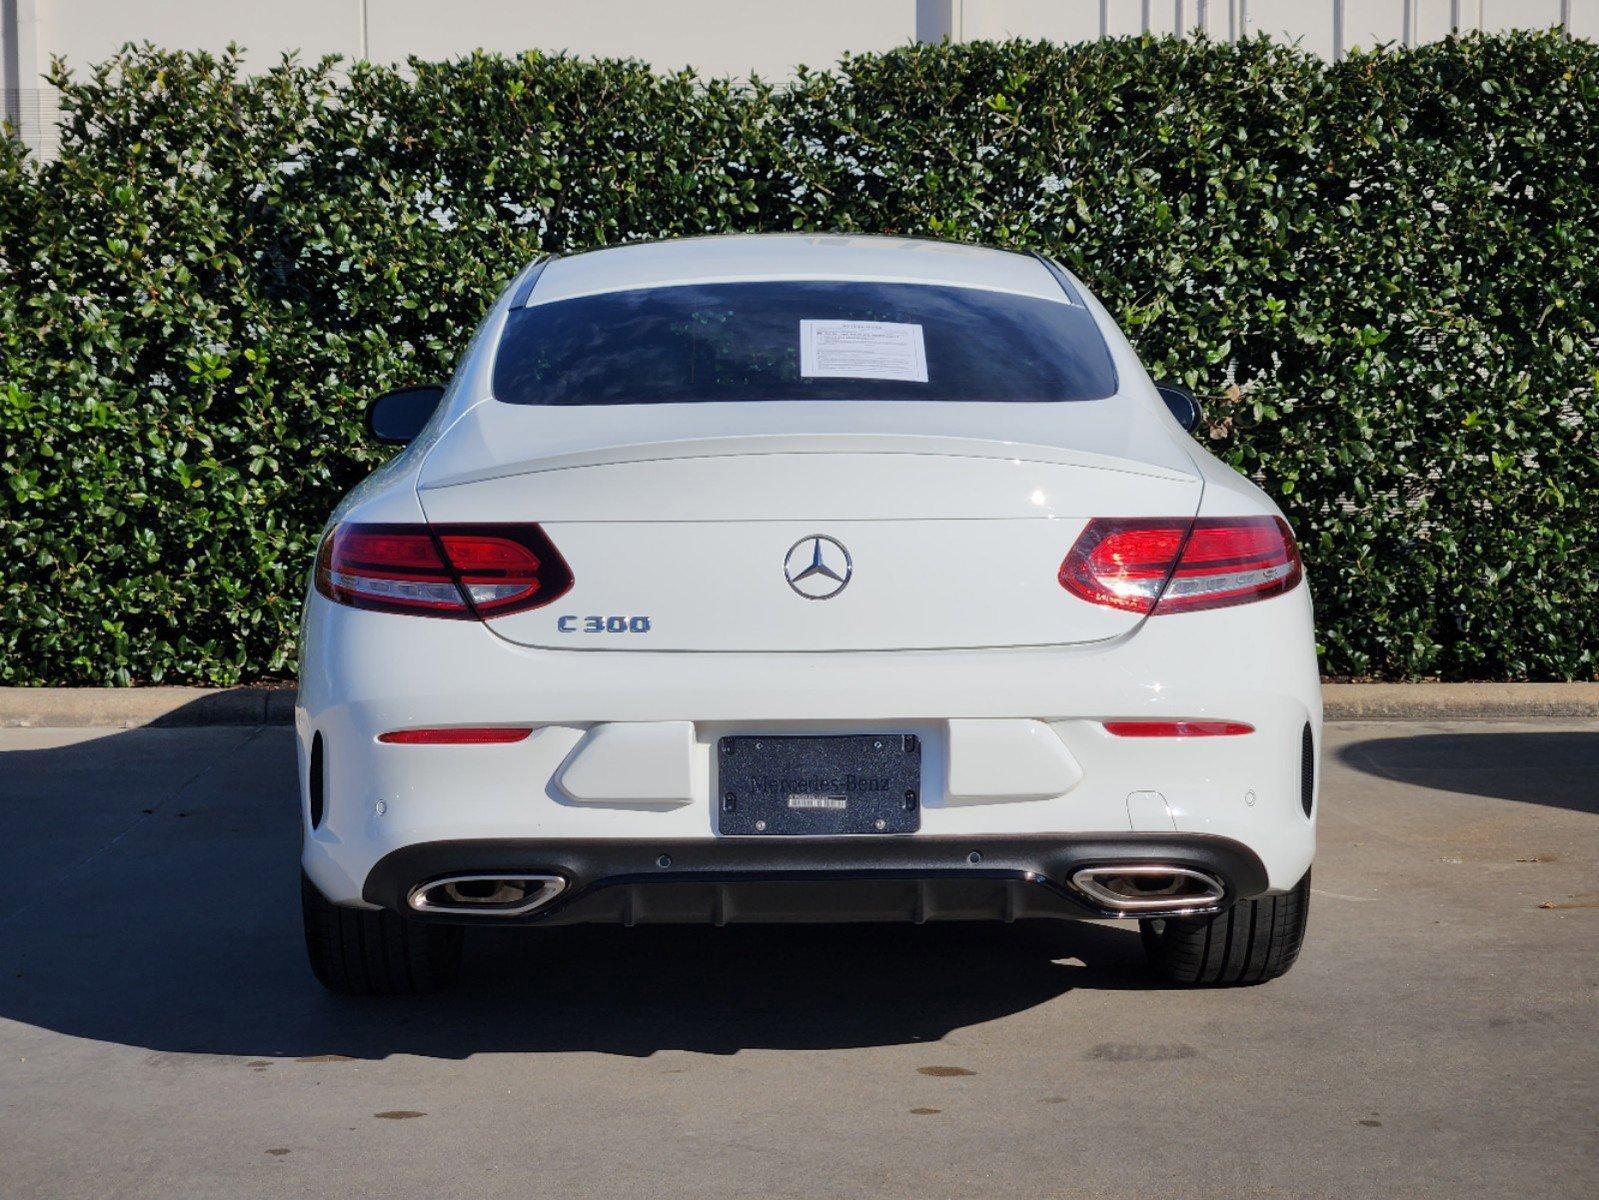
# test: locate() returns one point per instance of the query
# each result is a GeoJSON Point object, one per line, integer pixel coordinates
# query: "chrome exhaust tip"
{"type": "Point", "coordinates": [486, 895]}
{"type": "Point", "coordinates": [1151, 889]}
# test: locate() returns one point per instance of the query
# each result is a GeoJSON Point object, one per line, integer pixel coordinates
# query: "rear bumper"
{"type": "Point", "coordinates": [720, 881]}
{"type": "Point", "coordinates": [1013, 746]}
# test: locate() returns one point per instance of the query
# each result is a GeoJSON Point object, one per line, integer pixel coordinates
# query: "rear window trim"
{"type": "Point", "coordinates": [1058, 272]}
{"type": "Point", "coordinates": [530, 280]}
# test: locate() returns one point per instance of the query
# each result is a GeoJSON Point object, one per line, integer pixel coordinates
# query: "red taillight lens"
{"type": "Point", "coordinates": [1169, 565]}
{"type": "Point", "coordinates": [441, 570]}
{"type": "Point", "coordinates": [389, 568]}
{"type": "Point", "coordinates": [1123, 563]}
{"type": "Point", "coordinates": [456, 736]}
{"type": "Point", "coordinates": [1166, 729]}
{"type": "Point", "coordinates": [1233, 561]}
{"type": "Point", "coordinates": [504, 569]}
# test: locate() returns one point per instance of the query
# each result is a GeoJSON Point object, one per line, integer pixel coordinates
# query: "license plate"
{"type": "Point", "coordinates": [856, 783]}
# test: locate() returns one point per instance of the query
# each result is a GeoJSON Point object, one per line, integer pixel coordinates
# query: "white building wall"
{"type": "Point", "coordinates": [718, 37]}
{"type": "Point", "coordinates": [1327, 27]}
{"type": "Point", "coordinates": [88, 31]}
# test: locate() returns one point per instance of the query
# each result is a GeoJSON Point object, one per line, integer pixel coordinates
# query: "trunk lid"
{"type": "Point", "coordinates": [683, 529]}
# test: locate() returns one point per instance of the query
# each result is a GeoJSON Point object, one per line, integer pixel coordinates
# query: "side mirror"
{"type": "Point", "coordinates": [395, 418]}
{"type": "Point", "coordinates": [1182, 404]}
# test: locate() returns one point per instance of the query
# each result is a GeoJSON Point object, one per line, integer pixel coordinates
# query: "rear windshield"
{"type": "Point", "coordinates": [801, 340]}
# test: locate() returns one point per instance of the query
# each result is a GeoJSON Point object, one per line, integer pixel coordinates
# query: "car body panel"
{"type": "Point", "coordinates": [372, 673]}
{"type": "Point", "coordinates": [698, 547]}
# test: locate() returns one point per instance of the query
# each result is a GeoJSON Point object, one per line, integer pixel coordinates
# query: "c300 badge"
{"type": "Point", "coordinates": [570, 624]}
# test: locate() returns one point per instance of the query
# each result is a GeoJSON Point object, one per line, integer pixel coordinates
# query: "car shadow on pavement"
{"type": "Point", "coordinates": [149, 897]}
{"type": "Point", "coordinates": [1556, 768]}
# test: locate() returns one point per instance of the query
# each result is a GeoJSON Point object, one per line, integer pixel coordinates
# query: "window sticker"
{"type": "Point", "coordinates": [862, 350]}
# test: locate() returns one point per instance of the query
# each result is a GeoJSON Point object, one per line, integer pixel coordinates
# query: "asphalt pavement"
{"type": "Point", "coordinates": [160, 1035]}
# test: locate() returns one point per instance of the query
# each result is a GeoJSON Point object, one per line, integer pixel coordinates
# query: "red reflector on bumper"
{"type": "Point", "coordinates": [454, 737]}
{"type": "Point", "coordinates": [1150, 729]}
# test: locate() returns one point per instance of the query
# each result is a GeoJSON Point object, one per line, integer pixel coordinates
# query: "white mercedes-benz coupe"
{"type": "Point", "coordinates": [803, 578]}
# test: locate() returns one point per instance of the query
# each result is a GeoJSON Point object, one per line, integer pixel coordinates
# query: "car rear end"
{"type": "Point", "coordinates": [850, 658]}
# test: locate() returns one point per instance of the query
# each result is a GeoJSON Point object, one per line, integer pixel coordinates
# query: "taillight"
{"type": "Point", "coordinates": [1164, 565]}
{"type": "Point", "coordinates": [504, 568]}
{"type": "Point", "coordinates": [461, 571]}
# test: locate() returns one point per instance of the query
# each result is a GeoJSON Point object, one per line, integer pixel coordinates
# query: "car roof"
{"type": "Point", "coordinates": [781, 256]}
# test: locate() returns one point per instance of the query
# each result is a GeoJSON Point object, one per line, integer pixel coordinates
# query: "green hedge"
{"type": "Point", "coordinates": [1381, 276]}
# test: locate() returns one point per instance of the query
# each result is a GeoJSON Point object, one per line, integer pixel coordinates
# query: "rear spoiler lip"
{"type": "Point", "coordinates": [743, 445]}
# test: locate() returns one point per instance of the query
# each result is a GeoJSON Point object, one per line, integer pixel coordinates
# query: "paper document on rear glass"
{"type": "Point", "coordinates": [862, 350]}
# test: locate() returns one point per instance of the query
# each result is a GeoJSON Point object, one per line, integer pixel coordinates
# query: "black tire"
{"type": "Point", "coordinates": [368, 952]}
{"type": "Point", "coordinates": [1253, 941]}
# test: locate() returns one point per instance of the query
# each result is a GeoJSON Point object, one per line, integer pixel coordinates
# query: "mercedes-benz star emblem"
{"type": "Point", "coordinates": [818, 567]}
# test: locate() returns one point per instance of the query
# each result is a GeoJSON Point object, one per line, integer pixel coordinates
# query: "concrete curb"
{"type": "Point", "coordinates": [124, 708]}
{"type": "Point", "coordinates": [1460, 701]}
